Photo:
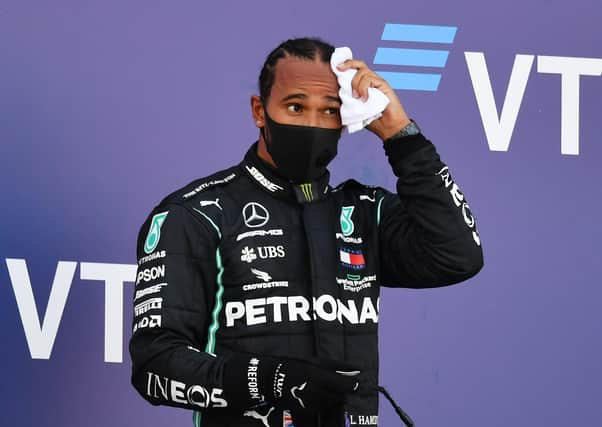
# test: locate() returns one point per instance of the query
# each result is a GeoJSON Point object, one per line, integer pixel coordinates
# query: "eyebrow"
{"type": "Point", "coordinates": [303, 96]}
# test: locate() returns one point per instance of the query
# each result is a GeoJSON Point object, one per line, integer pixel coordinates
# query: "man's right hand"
{"type": "Point", "coordinates": [251, 380]}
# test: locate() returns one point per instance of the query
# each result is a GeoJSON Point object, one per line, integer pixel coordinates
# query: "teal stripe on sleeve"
{"type": "Point", "coordinates": [210, 347]}
{"type": "Point", "coordinates": [380, 201]}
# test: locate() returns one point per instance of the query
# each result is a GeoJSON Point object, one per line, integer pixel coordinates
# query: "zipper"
{"type": "Point", "coordinates": [314, 285]}
{"type": "Point", "coordinates": [312, 272]}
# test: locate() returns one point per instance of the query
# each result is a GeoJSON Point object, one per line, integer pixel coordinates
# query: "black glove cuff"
{"type": "Point", "coordinates": [249, 379]}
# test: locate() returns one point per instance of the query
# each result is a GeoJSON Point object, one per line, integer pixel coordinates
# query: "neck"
{"type": "Point", "coordinates": [262, 152]}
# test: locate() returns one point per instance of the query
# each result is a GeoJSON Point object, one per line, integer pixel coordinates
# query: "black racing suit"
{"type": "Point", "coordinates": [244, 260]}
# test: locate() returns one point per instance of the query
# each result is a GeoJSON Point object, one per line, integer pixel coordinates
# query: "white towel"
{"type": "Point", "coordinates": [355, 113]}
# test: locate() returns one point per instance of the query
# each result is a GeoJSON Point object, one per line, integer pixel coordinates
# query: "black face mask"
{"type": "Point", "coordinates": [301, 153]}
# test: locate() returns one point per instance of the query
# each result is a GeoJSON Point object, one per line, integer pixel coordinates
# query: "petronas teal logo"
{"type": "Point", "coordinates": [154, 232]}
{"type": "Point", "coordinates": [307, 192]}
{"type": "Point", "coordinates": [347, 226]}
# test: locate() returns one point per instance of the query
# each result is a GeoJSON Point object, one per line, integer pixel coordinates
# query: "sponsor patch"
{"type": "Point", "coordinates": [148, 291]}
{"type": "Point", "coordinates": [260, 178]}
{"type": "Point", "coordinates": [264, 252]}
{"type": "Point", "coordinates": [261, 275]}
{"type": "Point", "coordinates": [276, 309]}
{"type": "Point", "coordinates": [255, 414]}
{"type": "Point", "coordinates": [151, 257]}
{"type": "Point", "coordinates": [307, 191]}
{"type": "Point", "coordinates": [255, 215]}
{"type": "Point", "coordinates": [206, 185]}
{"type": "Point", "coordinates": [215, 203]}
{"type": "Point", "coordinates": [260, 233]}
{"type": "Point", "coordinates": [154, 232]}
{"type": "Point", "coordinates": [349, 239]}
{"type": "Point", "coordinates": [352, 258]}
{"type": "Point", "coordinates": [355, 283]}
{"type": "Point", "coordinates": [149, 274]}
{"type": "Point", "coordinates": [248, 255]}
{"type": "Point", "coordinates": [287, 419]}
{"type": "Point", "coordinates": [175, 391]}
{"type": "Point", "coordinates": [347, 225]}
{"type": "Point", "coordinates": [151, 321]}
{"type": "Point", "coordinates": [459, 200]}
{"type": "Point", "coordinates": [265, 285]}
{"type": "Point", "coordinates": [150, 304]}
{"type": "Point", "coordinates": [268, 252]}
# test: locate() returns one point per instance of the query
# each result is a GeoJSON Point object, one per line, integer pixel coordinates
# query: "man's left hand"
{"type": "Point", "coordinates": [394, 117]}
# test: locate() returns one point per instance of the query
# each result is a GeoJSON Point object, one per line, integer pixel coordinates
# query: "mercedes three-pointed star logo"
{"type": "Point", "coordinates": [255, 215]}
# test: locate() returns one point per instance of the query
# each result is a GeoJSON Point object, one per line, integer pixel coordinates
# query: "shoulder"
{"type": "Point", "coordinates": [356, 189]}
{"type": "Point", "coordinates": [363, 197]}
{"type": "Point", "coordinates": [203, 187]}
{"type": "Point", "coordinates": [352, 184]}
{"type": "Point", "coordinates": [200, 201]}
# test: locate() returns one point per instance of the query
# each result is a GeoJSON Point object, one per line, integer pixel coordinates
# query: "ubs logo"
{"type": "Point", "coordinates": [255, 215]}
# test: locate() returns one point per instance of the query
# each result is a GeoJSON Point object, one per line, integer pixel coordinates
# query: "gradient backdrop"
{"type": "Point", "coordinates": [106, 106]}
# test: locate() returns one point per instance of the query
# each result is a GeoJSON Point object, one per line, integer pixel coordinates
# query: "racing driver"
{"type": "Point", "coordinates": [257, 291]}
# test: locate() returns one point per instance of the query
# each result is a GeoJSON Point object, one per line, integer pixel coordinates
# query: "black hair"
{"type": "Point", "coordinates": [309, 48]}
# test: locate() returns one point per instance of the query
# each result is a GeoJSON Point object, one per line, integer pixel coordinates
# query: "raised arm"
{"type": "Point", "coordinates": [427, 233]}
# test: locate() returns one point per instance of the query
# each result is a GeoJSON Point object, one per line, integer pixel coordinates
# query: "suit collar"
{"type": "Point", "coordinates": [270, 181]}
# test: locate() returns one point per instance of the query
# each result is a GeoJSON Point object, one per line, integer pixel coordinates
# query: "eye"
{"type": "Point", "coordinates": [295, 108]}
{"type": "Point", "coordinates": [331, 111]}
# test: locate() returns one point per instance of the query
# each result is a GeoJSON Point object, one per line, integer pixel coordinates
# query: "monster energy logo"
{"type": "Point", "coordinates": [307, 193]}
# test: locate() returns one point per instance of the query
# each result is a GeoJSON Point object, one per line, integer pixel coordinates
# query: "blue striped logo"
{"type": "Point", "coordinates": [414, 57]}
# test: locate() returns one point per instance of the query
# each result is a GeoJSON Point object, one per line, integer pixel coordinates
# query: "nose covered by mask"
{"type": "Point", "coordinates": [301, 153]}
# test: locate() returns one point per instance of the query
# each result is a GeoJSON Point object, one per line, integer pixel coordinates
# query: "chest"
{"type": "Point", "coordinates": [288, 264]}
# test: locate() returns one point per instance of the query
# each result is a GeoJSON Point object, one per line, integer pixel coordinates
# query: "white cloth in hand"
{"type": "Point", "coordinates": [355, 113]}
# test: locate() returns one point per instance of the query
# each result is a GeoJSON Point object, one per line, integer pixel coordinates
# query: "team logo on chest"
{"type": "Point", "coordinates": [347, 225]}
{"type": "Point", "coordinates": [255, 215]}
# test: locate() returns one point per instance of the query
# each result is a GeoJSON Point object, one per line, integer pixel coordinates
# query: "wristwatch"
{"type": "Point", "coordinates": [409, 129]}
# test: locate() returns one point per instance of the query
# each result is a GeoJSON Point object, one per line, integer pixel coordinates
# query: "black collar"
{"type": "Point", "coordinates": [269, 180]}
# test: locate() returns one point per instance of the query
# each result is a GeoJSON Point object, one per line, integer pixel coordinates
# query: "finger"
{"type": "Point", "coordinates": [363, 85]}
{"type": "Point", "coordinates": [378, 82]}
{"type": "Point", "coordinates": [367, 80]}
{"type": "Point", "coordinates": [352, 63]}
{"type": "Point", "coordinates": [356, 82]}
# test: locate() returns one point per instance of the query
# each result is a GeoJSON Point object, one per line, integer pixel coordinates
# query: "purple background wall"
{"type": "Point", "coordinates": [107, 106]}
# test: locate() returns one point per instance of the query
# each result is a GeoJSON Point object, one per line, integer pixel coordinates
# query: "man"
{"type": "Point", "coordinates": [257, 290]}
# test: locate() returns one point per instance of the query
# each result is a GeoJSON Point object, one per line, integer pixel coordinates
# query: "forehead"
{"type": "Point", "coordinates": [304, 75]}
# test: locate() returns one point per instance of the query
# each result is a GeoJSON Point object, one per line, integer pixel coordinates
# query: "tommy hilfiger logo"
{"type": "Point", "coordinates": [352, 258]}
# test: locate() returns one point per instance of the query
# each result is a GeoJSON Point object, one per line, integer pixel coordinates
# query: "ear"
{"type": "Point", "coordinates": [257, 111]}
